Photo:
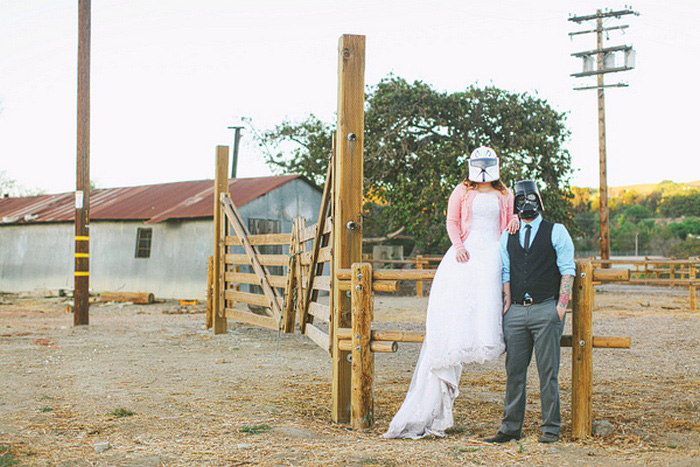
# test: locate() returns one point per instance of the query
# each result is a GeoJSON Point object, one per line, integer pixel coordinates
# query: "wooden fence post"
{"type": "Point", "coordinates": [692, 275]}
{"type": "Point", "coordinates": [220, 186]}
{"type": "Point", "coordinates": [582, 351]}
{"type": "Point", "coordinates": [419, 284]}
{"type": "Point", "coordinates": [347, 199]}
{"type": "Point", "coordinates": [362, 400]}
{"type": "Point", "coordinates": [210, 291]}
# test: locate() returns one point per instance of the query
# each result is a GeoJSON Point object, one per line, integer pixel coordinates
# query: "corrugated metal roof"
{"type": "Point", "coordinates": [151, 203]}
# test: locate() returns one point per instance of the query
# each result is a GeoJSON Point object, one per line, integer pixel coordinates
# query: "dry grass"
{"type": "Point", "coordinates": [199, 399]}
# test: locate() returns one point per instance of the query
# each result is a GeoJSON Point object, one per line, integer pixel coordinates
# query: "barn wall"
{"type": "Point", "coordinates": [36, 256]}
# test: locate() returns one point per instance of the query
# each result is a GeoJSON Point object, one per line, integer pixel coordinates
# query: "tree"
{"type": "Point", "coordinates": [417, 141]}
{"type": "Point", "coordinates": [684, 204]}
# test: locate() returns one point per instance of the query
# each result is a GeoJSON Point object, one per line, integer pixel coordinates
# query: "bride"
{"type": "Point", "coordinates": [465, 307]}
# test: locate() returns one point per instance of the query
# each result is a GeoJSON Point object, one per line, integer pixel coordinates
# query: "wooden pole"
{"type": "Point", "coordinates": [419, 284]}
{"type": "Point", "coordinates": [582, 351]}
{"type": "Point", "coordinates": [362, 401]}
{"type": "Point", "coordinates": [603, 206]}
{"type": "Point", "coordinates": [210, 291]}
{"type": "Point", "coordinates": [81, 294]}
{"type": "Point", "coordinates": [692, 276]}
{"type": "Point", "coordinates": [347, 199]}
{"type": "Point", "coordinates": [220, 186]}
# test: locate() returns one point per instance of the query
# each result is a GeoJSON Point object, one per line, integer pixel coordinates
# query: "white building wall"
{"type": "Point", "coordinates": [38, 256]}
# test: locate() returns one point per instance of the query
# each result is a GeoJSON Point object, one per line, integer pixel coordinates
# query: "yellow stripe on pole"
{"type": "Point", "coordinates": [82, 273]}
{"type": "Point", "coordinates": [82, 255]}
{"type": "Point", "coordinates": [82, 237]}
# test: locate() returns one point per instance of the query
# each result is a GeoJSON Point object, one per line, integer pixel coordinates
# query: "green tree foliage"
{"type": "Point", "coordinates": [688, 226]}
{"type": "Point", "coordinates": [302, 148]}
{"type": "Point", "coordinates": [682, 204]}
{"type": "Point", "coordinates": [417, 141]}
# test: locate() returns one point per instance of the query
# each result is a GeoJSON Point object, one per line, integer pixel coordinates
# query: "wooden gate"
{"type": "Point", "coordinates": [281, 286]}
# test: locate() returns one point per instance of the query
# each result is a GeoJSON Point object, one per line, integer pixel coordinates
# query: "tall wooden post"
{"type": "Point", "coordinates": [347, 197]}
{"type": "Point", "coordinates": [692, 273]}
{"type": "Point", "coordinates": [362, 399]}
{"type": "Point", "coordinates": [603, 206]}
{"type": "Point", "coordinates": [210, 291]}
{"type": "Point", "coordinates": [81, 293]}
{"type": "Point", "coordinates": [220, 186]}
{"type": "Point", "coordinates": [582, 351]}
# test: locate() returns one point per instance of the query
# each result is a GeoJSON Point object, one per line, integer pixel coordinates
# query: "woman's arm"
{"type": "Point", "coordinates": [512, 221]}
{"type": "Point", "coordinates": [454, 215]}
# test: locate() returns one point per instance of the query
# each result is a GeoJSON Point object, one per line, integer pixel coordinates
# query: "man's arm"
{"type": "Point", "coordinates": [505, 270]}
{"type": "Point", "coordinates": [506, 297]}
{"type": "Point", "coordinates": [564, 246]}
{"type": "Point", "coordinates": [564, 294]}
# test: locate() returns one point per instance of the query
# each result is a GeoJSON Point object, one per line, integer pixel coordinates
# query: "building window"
{"type": "Point", "coordinates": [143, 243]}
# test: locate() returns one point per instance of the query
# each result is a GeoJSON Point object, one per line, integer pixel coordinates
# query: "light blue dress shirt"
{"type": "Point", "coordinates": [561, 241]}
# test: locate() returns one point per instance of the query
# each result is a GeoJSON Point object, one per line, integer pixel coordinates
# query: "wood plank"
{"type": "Point", "coordinates": [347, 201]}
{"type": "Point", "coordinates": [220, 187]}
{"type": "Point", "coordinates": [374, 346]}
{"type": "Point", "coordinates": [308, 233]}
{"type": "Point", "coordinates": [318, 336]}
{"type": "Point", "coordinates": [324, 255]}
{"type": "Point", "coordinates": [392, 274]}
{"type": "Point", "coordinates": [387, 335]}
{"type": "Point", "coordinates": [377, 286]}
{"type": "Point", "coordinates": [260, 239]}
{"type": "Point", "coordinates": [582, 351]}
{"type": "Point", "coordinates": [608, 275]}
{"type": "Point", "coordinates": [288, 312]}
{"type": "Point", "coordinates": [601, 342]}
{"type": "Point", "coordinates": [320, 312]}
{"type": "Point", "coordinates": [252, 318]}
{"type": "Point", "coordinates": [362, 401]}
{"type": "Point", "coordinates": [210, 290]}
{"type": "Point", "coordinates": [320, 283]}
{"type": "Point", "coordinates": [142, 298]}
{"type": "Point", "coordinates": [251, 298]}
{"type": "Point", "coordinates": [264, 260]}
{"type": "Point", "coordinates": [247, 278]}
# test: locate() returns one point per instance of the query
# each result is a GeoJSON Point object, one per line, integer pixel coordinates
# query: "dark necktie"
{"type": "Point", "coordinates": [528, 229]}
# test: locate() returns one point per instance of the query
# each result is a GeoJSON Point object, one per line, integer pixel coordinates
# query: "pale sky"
{"type": "Point", "coordinates": [168, 77]}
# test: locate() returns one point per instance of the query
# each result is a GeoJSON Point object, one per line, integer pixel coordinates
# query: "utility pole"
{"type": "Point", "coordinates": [81, 292]}
{"type": "Point", "coordinates": [605, 63]}
{"type": "Point", "coordinates": [236, 141]}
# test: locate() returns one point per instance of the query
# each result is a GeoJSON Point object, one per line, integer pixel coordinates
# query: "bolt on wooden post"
{"type": "Point", "coordinates": [347, 198]}
{"type": "Point", "coordinates": [582, 351]}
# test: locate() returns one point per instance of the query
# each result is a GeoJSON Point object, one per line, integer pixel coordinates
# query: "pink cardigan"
{"type": "Point", "coordinates": [459, 213]}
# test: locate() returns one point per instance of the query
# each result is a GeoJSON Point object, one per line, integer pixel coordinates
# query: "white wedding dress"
{"type": "Point", "coordinates": [463, 325]}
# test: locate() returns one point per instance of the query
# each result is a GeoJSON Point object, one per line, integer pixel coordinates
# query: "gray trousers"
{"type": "Point", "coordinates": [526, 327]}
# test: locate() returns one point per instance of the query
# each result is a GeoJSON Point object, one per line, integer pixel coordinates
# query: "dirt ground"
{"type": "Point", "coordinates": [162, 390]}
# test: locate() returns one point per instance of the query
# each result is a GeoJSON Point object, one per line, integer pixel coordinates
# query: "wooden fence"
{"type": "Point", "coordinates": [659, 272]}
{"type": "Point", "coordinates": [361, 340]}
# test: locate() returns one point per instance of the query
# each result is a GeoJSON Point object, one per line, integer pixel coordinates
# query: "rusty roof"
{"type": "Point", "coordinates": [150, 203]}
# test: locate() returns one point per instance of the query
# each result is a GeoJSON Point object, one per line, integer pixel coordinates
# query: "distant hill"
{"type": "Point", "coordinates": [644, 189]}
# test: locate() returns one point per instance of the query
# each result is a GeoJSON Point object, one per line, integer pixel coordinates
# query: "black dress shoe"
{"type": "Point", "coordinates": [548, 438]}
{"type": "Point", "coordinates": [500, 438]}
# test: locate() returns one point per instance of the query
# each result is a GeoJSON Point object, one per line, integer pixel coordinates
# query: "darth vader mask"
{"type": "Point", "coordinates": [528, 202]}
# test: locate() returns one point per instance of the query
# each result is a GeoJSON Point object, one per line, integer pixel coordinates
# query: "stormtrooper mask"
{"type": "Point", "coordinates": [528, 202]}
{"type": "Point", "coordinates": [483, 165]}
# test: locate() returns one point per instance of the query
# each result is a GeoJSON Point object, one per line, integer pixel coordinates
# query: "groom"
{"type": "Point", "coordinates": [538, 271]}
